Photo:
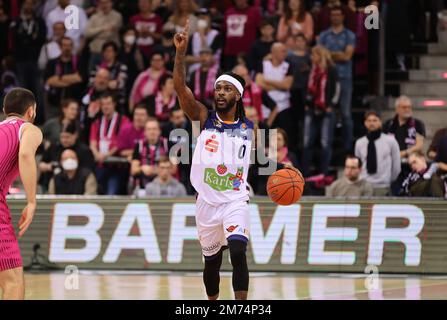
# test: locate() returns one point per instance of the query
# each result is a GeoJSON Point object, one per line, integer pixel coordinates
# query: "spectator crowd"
{"type": "Point", "coordinates": [107, 103]}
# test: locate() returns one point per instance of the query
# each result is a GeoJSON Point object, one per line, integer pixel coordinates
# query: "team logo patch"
{"type": "Point", "coordinates": [216, 179]}
{"type": "Point", "coordinates": [232, 228]}
{"type": "Point", "coordinates": [211, 144]}
{"type": "Point", "coordinates": [217, 123]}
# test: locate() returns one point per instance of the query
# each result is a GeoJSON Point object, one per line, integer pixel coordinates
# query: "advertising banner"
{"type": "Point", "coordinates": [316, 234]}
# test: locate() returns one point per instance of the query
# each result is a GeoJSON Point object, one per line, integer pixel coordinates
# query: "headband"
{"type": "Point", "coordinates": [232, 80]}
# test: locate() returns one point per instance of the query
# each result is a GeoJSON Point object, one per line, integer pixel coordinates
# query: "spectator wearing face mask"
{"type": "Point", "coordinates": [68, 139]}
{"type": "Point", "coordinates": [72, 180]}
{"type": "Point", "coordinates": [204, 37]}
{"type": "Point", "coordinates": [131, 56]}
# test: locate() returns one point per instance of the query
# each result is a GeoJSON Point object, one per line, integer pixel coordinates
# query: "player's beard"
{"type": "Point", "coordinates": [229, 105]}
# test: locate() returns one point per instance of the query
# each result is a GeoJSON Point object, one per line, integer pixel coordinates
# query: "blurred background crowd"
{"type": "Point", "coordinates": [107, 103]}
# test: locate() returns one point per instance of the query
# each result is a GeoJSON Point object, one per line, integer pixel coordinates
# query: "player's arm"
{"type": "Point", "coordinates": [192, 108]}
{"type": "Point", "coordinates": [30, 140]}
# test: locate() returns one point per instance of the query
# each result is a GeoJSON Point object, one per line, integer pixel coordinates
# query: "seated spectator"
{"type": "Point", "coordinates": [202, 79]}
{"type": "Point", "coordinates": [131, 56]}
{"type": "Point", "coordinates": [295, 20]}
{"type": "Point", "coordinates": [147, 82]}
{"type": "Point", "coordinates": [183, 11]}
{"type": "Point", "coordinates": [276, 77]}
{"type": "Point", "coordinates": [351, 185]}
{"type": "Point", "coordinates": [299, 57]}
{"type": "Point", "coordinates": [164, 184]}
{"type": "Point", "coordinates": [117, 71]}
{"type": "Point", "coordinates": [323, 18]}
{"type": "Point", "coordinates": [72, 180]}
{"type": "Point", "coordinates": [58, 14]}
{"type": "Point", "coordinates": [281, 150]}
{"type": "Point", "coordinates": [146, 154]}
{"type": "Point", "coordinates": [240, 26]}
{"type": "Point", "coordinates": [323, 94]}
{"type": "Point", "coordinates": [52, 49]}
{"type": "Point", "coordinates": [68, 139]}
{"type": "Point", "coordinates": [62, 78]}
{"type": "Point", "coordinates": [409, 134]}
{"type": "Point", "coordinates": [133, 132]}
{"type": "Point", "coordinates": [204, 37]}
{"type": "Point", "coordinates": [416, 183]}
{"type": "Point", "coordinates": [378, 149]}
{"type": "Point", "coordinates": [167, 49]}
{"type": "Point", "coordinates": [256, 97]}
{"type": "Point", "coordinates": [104, 145]}
{"type": "Point", "coordinates": [408, 131]}
{"type": "Point", "coordinates": [102, 27]}
{"type": "Point", "coordinates": [431, 152]}
{"type": "Point", "coordinates": [148, 26]}
{"type": "Point", "coordinates": [53, 127]}
{"type": "Point", "coordinates": [165, 98]}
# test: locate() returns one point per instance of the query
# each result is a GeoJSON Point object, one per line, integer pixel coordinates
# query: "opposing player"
{"type": "Point", "coordinates": [19, 141]}
{"type": "Point", "coordinates": [219, 172]}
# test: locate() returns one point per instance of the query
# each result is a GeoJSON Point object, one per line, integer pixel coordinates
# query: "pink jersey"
{"type": "Point", "coordinates": [10, 131]}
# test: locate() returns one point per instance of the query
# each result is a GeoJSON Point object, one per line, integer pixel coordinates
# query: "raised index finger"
{"type": "Point", "coordinates": [186, 29]}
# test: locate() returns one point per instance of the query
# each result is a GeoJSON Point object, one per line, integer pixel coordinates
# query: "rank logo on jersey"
{"type": "Point", "coordinates": [212, 145]}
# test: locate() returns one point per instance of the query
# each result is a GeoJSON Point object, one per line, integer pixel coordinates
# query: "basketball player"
{"type": "Point", "coordinates": [19, 141]}
{"type": "Point", "coordinates": [219, 173]}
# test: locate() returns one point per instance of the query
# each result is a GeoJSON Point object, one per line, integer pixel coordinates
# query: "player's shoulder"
{"type": "Point", "coordinates": [31, 130]}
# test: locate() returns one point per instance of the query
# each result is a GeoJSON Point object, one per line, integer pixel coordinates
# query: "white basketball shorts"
{"type": "Point", "coordinates": [215, 224]}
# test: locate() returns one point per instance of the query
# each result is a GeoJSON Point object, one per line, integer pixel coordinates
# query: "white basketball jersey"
{"type": "Point", "coordinates": [221, 160]}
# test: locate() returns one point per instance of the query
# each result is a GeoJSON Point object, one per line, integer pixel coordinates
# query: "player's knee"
{"type": "Point", "coordinates": [214, 260]}
{"type": "Point", "coordinates": [238, 249]}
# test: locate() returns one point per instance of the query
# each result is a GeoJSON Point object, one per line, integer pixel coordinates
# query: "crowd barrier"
{"type": "Point", "coordinates": [316, 234]}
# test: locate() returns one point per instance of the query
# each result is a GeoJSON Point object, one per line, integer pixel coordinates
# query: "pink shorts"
{"type": "Point", "coordinates": [10, 257]}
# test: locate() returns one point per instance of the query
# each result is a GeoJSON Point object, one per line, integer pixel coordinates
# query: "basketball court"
{"type": "Point", "coordinates": [263, 286]}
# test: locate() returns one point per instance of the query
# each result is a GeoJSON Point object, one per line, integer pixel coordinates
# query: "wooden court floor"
{"type": "Point", "coordinates": [263, 286]}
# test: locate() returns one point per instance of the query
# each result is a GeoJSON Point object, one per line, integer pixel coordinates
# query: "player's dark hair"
{"type": "Point", "coordinates": [240, 111]}
{"type": "Point", "coordinates": [17, 101]}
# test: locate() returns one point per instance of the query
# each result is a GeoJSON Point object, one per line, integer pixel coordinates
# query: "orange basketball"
{"type": "Point", "coordinates": [285, 186]}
